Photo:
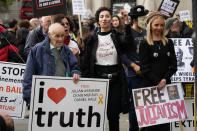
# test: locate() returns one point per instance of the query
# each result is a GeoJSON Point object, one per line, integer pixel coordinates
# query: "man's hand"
{"type": "Point", "coordinates": [161, 84]}
{"type": "Point", "coordinates": [76, 78]}
{"type": "Point", "coordinates": [136, 68]}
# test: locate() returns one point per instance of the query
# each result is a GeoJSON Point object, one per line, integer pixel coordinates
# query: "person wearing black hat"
{"type": "Point", "coordinates": [136, 34]}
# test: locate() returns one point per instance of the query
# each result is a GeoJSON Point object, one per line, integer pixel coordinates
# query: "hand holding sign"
{"type": "Point", "coordinates": [161, 84]}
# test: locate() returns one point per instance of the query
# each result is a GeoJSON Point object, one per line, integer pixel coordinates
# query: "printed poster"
{"type": "Point", "coordinates": [11, 99]}
{"type": "Point", "coordinates": [168, 7]}
{"type": "Point", "coordinates": [57, 103]}
{"type": "Point", "coordinates": [184, 53]}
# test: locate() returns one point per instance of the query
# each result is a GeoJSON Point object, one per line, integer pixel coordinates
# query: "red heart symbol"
{"type": "Point", "coordinates": [56, 95]}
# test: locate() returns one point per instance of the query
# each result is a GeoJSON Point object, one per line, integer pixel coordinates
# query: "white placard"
{"type": "Point", "coordinates": [155, 107]}
{"type": "Point", "coordinates": [185, 15]}
{"type": "Point", "coordinates": [188, 125]}
{"type": "Point", "coordinates": [78, 7]}
{"type": "Point", "coordinates": [11, 99]}
{"type": "Point", "coordinates": [184, 53]}
{"type": "Point", "coordinates": [59, 104]}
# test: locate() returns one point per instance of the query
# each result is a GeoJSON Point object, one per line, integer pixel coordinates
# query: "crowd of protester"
{"type": "Point", "coordinates": [51, 45]}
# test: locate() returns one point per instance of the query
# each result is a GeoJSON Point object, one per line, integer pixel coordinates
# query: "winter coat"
{"type": "Point", "coordinates": [41, 61]}
{"type": "Point", "coordinates": [8, 52]}
{"type": "Point", "coordinates": [35, 36]}
{"type": "Point", "coordinates": [157, 62]}
{"type": "Point", "coordinates": [88, 65]}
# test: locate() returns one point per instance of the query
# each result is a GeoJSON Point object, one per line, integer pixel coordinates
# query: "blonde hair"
{"type": "Point", "coordinates": [149, 31]}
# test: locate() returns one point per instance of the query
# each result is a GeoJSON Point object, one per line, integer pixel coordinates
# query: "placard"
{"type": "Point", "coordinates": [48, 7]}
{"type": "Point", "coordinates": [78, 7]}
{"type": "Point", "coordinates": [168, 7]}
{"type": "Point", "coordinates": [184, 54]}
{"type": "Point", "coordinates": [57, 103]}
{"type": "Point", "coordinates": [185, 15]}
{"type": "Point", "coordinates": [11, 97]}
{"type": "Point", "coordinates": [155, 107]}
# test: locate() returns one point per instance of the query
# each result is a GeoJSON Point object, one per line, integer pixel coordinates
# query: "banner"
{"type": "Point", "coordinates": [188, 125]}
{"type": "Point", "coordinates": [184, 54]}
{"type": "Point", "coordinates": [78, 7]}
{"type": "Point", "coordinates": [48, 7]}
{"type": "Point", "coordinates": [11, 99]}
{"type": "Point", "coordinates": [57, 103]}
{"type": "Point", "coordinates": [168, 7]}
{"type": "Point", "coordinates": [155, 107]}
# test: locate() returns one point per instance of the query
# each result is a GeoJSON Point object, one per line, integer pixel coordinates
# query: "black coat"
{"type": "Point", "coordinates": [87, 67]}
{"type": "Point", "coordinates": [157, 62]}
{"type": "Point", "coordinates": [35, 36]}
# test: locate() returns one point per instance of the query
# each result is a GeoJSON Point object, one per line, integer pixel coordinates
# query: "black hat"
{"type": "Point", "coordinates": [138, 11]}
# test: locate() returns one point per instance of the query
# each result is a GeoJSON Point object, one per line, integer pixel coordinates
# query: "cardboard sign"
{"type": "Point", "coordinates": [185, 15]}
{"type": "Point", "coordinates": [184, 53]}
{"type": "Point", "coordinates": [168, 7]}
{"type": "Point", "coordinates": [188, 125]}
{"type": "Point", "coordinates": [11, 99]}
{"type": "Point", "coordinates": [155, 107]}
{"type": "Point", "coordinates": [78, 7]}
{"type": "Point", "coordinates": [48, 7]}
{"type": "Point", "coordinates": [57, 103]}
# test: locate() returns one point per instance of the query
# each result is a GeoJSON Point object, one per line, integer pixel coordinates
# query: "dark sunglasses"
{"type": "Point", "coordinates": [63, 24]}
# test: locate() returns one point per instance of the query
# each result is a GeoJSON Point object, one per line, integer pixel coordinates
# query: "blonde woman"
{"type": "Point", "coordinates": [157, 59]}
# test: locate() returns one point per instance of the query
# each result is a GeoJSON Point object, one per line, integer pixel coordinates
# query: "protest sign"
{"type": "Point", "coordinates": [122, 6]}
{"type": "Point", "coordinates": [155, 107]}
{"type": "Point", "coordinates": [185, 15]}
{"type": "Point", "coordinates": [11, 100]}
{"type": "Point", "coordinates": [57, 103]}
{"type": "Point", "coordinates": [188, 125]}
{"type": "Point", "coordinates": [184, 53]}
{"type": "Point", "coordinates": [78, 7]}
{"type": "Point", "coordinates": [168, 7]}
{"type": "Point", "coordinates": [48, 7]}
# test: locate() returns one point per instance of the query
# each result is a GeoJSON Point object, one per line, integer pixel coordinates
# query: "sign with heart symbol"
{"type": "Point", "coordinates": [56, 95]}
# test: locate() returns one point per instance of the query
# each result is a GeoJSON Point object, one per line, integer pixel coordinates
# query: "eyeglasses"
{"type": "Point", "coordinates": [65, 24]}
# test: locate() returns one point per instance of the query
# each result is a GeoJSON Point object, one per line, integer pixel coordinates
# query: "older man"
{"type": "Point", "coordinates": [38, 34]}
{"type": "Point", "coordinates": [34, 22]}
{"type": "Point", "coordinates": [50, 58]}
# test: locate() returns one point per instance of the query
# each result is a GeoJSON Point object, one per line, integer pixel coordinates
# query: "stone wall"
{"type": "Point", "coordinates": [13, 11]}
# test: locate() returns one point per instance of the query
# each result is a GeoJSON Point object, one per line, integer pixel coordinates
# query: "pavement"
{"type": "Point", "coordinates": [22, 125]}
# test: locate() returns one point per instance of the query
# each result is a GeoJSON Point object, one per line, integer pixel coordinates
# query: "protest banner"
{"type": "Point", "coordinates": [155, 107]}
{"type": "Point", "coordinates": [168, 7]}
{"type": "Point", "coordinates": [184, 53]}
{"type": "Point", "coordinates": [48, 7]}
{"type": "Point", "coordinates": [57, 103]}
{"type": "Point", "coordinates": [11, 100]}
{"type": "Point", "coordinates": [188, 125]}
